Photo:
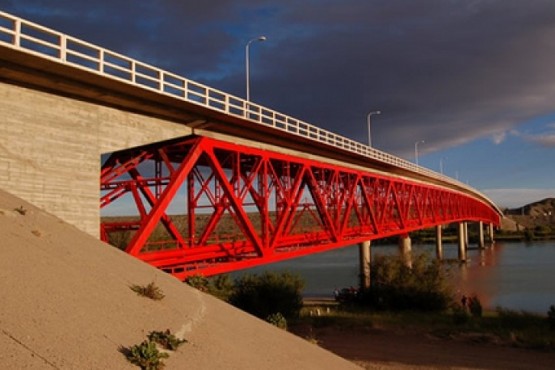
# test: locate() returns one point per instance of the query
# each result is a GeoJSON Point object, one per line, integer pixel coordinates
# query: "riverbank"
{"type": "Point", "coordinates": [377, 349]}
{"type": "Point", "coordinates": [429, 341]}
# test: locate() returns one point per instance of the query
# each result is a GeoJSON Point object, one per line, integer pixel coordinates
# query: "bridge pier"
{"type": "Point", "coordinates": [365, 256]}
{"type": "Point", "coordinates": [405, 249]}
{"type": "Point", "coordinates": [439, 243]}
{"type": "Point", "coordinates": [462, 237]}
{"type": "Point", "coordinates": [490, 233]}
{"type": "Point", "coordinates": [481, 243]}
{"type": "Point", "coordinates": [466, 238]}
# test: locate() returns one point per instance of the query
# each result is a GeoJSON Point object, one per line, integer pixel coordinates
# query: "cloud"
{"type": "Point", "coordinates": [499, 137]}
{"type": "Point", "coordinates": [547, 140]}
{"type": "Point", "coordinates": [446, 72]}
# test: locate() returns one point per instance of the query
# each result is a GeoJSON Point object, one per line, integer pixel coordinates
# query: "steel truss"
{"type": "Point", "coordinates": [237, 206]}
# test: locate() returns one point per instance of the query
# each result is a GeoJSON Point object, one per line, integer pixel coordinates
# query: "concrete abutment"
{"type": "Point", "coordinates": [58, 170]}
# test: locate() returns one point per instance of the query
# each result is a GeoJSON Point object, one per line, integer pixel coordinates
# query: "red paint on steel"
{"type": "Point", "coordinates": [241, 206]}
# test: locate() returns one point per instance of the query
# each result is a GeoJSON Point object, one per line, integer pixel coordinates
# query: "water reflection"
{"type": "Point", "coordinates": [516, 276]}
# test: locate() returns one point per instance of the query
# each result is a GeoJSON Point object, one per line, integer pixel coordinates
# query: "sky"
{"type": "Point", "coordinates": [473, 79]}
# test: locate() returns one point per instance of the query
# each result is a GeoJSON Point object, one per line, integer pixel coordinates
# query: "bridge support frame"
{"type": "Point", "coordinates": [242, 206]}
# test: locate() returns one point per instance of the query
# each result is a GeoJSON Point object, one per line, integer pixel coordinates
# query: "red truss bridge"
{"type": "Point", "coordinates": [242, 185]}
{"type": "Point", "coordinates": [243, 206]}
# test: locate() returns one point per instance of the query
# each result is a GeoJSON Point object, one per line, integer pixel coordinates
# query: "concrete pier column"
{"type": "Point", "coordinates": [490, 232]}
{"type": "Point", "coordinates": [481, 243]}
{"type": "Point", "coordinates": [466, 243]}
{"type": "Point", "coordinates": [462, 244]}
{"type": "Point", "coordinates": [439, 243]}
{"type": "Point", "coordinates": [365, 257]}
{"type": "Point", "coordinates": [405, 249]}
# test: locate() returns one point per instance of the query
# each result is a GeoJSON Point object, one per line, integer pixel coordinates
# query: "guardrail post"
{"type": "Point", "coordinates": [17, 32]}
{"type": "Point", "coordinates": [63, 47]}
{"type": "Point", "coordinates": [101, 62]}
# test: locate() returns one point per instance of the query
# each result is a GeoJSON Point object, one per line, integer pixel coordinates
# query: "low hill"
{"type": "Point", "coordinates": [533, 215]}
{"type": "Point", "coordinates": [66, 303]}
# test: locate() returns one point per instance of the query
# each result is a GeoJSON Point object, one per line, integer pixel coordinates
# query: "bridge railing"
{"type": "Point", "coordinates": [41, 41]}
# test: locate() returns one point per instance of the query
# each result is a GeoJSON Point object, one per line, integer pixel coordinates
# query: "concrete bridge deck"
{"type": "Point", "coordinates": [65, 102]}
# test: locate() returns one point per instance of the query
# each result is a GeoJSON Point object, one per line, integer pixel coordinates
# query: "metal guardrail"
{"type": "Point", "coordinates": [31, 38]}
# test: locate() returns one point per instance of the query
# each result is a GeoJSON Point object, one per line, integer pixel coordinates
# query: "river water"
{"type": "Point", "coordinates": [516, 276]}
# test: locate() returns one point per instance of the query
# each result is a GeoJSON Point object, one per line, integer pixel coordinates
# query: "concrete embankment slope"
{"type": "Point", "coordinates": [65, 303]}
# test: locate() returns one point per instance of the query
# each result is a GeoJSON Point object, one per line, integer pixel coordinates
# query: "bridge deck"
{"type": "Point", "coordinates": [36, 56]}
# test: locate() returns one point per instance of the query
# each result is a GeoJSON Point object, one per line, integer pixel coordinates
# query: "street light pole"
{"type": "Point", "coordinates": [247, 70]}
{"type": "Point", "coordinates": [416, 151]}
{"type": "Point", "coordinates": [368, 123]}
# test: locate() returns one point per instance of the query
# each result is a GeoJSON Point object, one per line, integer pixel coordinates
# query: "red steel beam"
{"type": "Point", "coordinates": [244, 206]}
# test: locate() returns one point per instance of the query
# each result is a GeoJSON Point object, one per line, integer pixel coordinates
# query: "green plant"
{"type": "Point", "coordinates": [120, 239]}
{"type": "Point", "coordinates": [199, 282]}
{"type": "Point", "coordinates": [278, 320]}
{"type": "Point", "coordinates": [475, 306]}
{"type": "Point", "coordinates": [146, 355]}
{"type": "Point", "coordinates": [266, 294]}
{"type": "Point", "coordinates": [220, 286]}
{"type": "Point", "coordinates": [551, 317]}
{"type": "Point", "coordinates": [166, 339]}
{"type": "Point", "coordinates": [150, 291]}
{"type": "Point", "coordinates": [396, 286]}
{"type": "Point", "coordinates": [22, 211]}
{"type": "Point", "coordinates": [460, 315]}
{"type": "Point", "coordinates": [529, 235]}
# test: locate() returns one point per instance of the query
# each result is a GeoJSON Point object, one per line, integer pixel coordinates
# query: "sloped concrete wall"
{"type": "Point", "coordinates": [50, 149]}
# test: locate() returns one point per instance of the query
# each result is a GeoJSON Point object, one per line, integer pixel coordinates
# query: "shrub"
{"type": "Point", "coordinates": [529, 235]}
{"type": "Point", "coordinates": [146, 355]}
{"type": "Point", "coordinates": [278, 320]}
{"type": "Point", "coordinates": [220, 286]}
{"type": "Point", "coordinates": [268, 294]}
{"type": "Point", "coordinates": [396, 286]}
{"type": "Point", "coordinates": [475, 306]}
{"type": "Point", "coordinates": [166, 339]}
{"type": "Point", "coordinates": [460, 315]}
{"type": "Point", "coordinates": [199, 282]}
{"type": "Point", "coordinates": [551, 317]}
{"type": "Point", "coordinates": [22, 211]}
{"type": "Point", "coordinates": [150, 291]}
{"type": "Point", "coordinates": [120, 239]}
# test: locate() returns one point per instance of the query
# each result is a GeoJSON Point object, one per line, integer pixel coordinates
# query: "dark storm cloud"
{"type": "Point", "coordinates": [443, 71]}
{"type": "Point", "coordinates": [446, 72]}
